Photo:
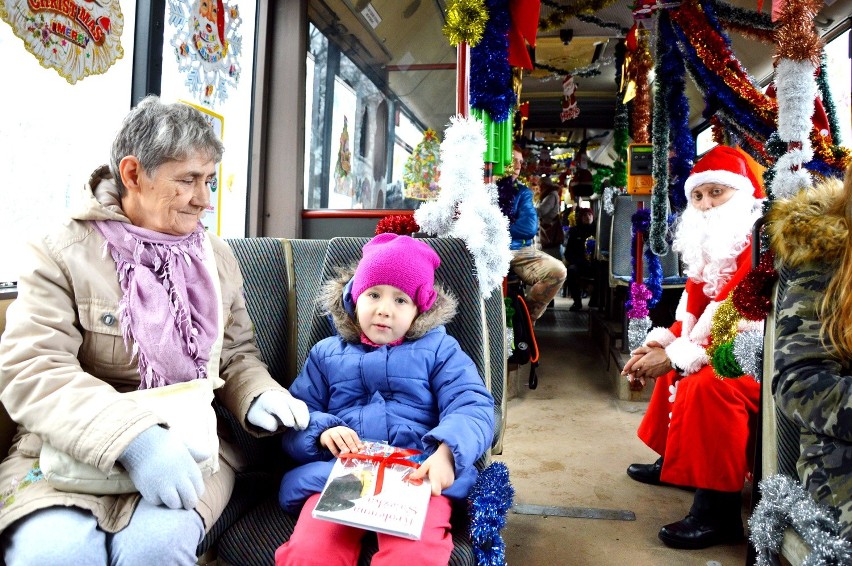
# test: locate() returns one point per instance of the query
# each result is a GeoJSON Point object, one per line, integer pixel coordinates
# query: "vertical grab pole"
{"type": "Point", "coordinates": [463, 79]}
{"type": "Point", "coordinates": [640, 245]}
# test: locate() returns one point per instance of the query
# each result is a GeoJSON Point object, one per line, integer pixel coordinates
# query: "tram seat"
{"type": "Point", "coordinates": [778, 443]}
{"type": "Point", "coordinates": [620, 247]}
{"type": "Point", "coordinates": [253, 538]}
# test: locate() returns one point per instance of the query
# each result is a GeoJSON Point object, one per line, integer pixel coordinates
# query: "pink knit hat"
{"type": "Point", "coordinates": [401, 261]}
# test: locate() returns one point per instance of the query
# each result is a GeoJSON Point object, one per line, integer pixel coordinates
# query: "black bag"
{"type": "Point", "coordinates": [524, 345]}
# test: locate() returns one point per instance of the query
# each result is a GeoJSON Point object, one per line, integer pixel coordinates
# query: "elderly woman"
{"type": "Point", "coordinates": [131, 293]}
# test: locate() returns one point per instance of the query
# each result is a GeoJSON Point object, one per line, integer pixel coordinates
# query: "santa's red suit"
{"type": "Point", "coordinates": [700, 423]}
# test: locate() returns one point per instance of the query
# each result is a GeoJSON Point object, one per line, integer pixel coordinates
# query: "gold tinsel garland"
{"type": "Point", "coordinates": [642, 103]}
{"type": "Point", "coordinates": [723, 327]}
{"type": "Point", "coordinates": [466, 21]}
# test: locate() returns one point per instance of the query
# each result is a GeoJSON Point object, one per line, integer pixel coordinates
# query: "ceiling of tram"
{"type": "Point", "coordinates": [402, 41]}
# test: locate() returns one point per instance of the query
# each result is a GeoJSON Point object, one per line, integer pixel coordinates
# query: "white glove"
{"type": "Point", "coordinates": [163, 469]}
{"type": "Point", "coordinates": [276, 408]}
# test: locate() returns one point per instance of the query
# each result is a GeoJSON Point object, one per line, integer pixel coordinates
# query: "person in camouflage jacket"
{"type": "Point", "coordinates": [812, 384]}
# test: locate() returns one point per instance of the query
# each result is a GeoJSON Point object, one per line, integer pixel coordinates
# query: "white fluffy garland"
{"type": "Point", "coordinates": [466, 207]}
{"type": "Point", "coordinates": [796, 90]}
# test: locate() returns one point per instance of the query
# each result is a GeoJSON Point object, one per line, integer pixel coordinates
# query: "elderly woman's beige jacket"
{"type": "Point", "coordinates": [63, 362]}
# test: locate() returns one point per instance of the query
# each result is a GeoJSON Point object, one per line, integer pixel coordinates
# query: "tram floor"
{"type": "Point", "coordinates": [567, 445]}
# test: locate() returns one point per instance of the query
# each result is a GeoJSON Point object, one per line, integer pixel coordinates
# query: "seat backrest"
{"type": "Point", "coordinates": [621, 246]}
{"type": "Point", "coordinates": [264, 266]}
{"type": "Point", "coordinates": [268, 301]}
{"type": "Point", "coordinates": [495, 316]}
{"type": "Point", "coordinates": [306, 258]}
{"type": "Point", "coordinates": [603, 231]}
{"type": "Point", "coordinates": [787, 441]}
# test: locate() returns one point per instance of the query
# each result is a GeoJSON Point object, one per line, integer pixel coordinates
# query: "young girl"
{"type": "Point", "coordinates": [392, 373]}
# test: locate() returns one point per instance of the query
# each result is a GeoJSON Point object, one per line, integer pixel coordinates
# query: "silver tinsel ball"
{"type": "Point", "coordinates": [748, 351]}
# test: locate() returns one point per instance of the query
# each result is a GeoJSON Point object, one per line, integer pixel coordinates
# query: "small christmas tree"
{"type": "Point", "coordinates": [422, 170]}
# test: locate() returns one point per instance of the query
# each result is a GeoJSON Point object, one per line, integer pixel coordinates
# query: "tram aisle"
{"type": "Point", "coordinates": [568, 444]}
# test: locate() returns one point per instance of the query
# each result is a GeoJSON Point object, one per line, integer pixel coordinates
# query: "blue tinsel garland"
{"type": "Point", "coordinates": [680, 137]}
{"type": "Point", "coordinates": [490, 73]}
{"type": "Point", "coordinates": [490, 499]}
{"type": "Point", "coordinates": [641, 221]}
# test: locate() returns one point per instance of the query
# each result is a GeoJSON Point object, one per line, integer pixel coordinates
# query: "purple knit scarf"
{"type": "Point", "coordinates": [168, 307]}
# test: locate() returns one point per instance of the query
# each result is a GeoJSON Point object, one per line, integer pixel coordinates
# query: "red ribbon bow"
{"type": "Point", "coordinates": [399, 456]}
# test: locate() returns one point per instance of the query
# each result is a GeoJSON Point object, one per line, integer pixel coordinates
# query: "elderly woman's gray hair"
{"type": "Point", "coordinates": [156, 133]}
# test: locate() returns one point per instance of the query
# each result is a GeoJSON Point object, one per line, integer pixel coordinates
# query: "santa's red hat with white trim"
{"type": "Point", "coordinates": [727, 166]}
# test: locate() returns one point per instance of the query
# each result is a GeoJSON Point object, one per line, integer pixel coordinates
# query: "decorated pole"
{"type": "Point", "coordinates": [463, 79]}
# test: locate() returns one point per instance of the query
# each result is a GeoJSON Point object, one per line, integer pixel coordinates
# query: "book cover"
{"type": "Point", "coordinates": [371, 490]}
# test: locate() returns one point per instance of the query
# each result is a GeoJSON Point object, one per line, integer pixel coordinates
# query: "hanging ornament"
{"type": "Point", "coordinates": [207, 46]}
{"type": "Point", "coordinates": [423, 168]}
{"type": "Point", "coordinates": [466, 21]}
{"type": "Point", "coordinates": [570, 110]}
{"type": "Point", "coordinates": [74, 38]}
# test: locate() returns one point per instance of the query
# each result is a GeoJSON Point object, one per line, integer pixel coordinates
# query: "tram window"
{"type": "Point", "coordinates": [49, 146]}
{"type": "Point", "coordinates": [373, 88]}
{"type": "Point", "coordinates": [704, 141]}
{"type": "Point", "coordinates": [840, 83]}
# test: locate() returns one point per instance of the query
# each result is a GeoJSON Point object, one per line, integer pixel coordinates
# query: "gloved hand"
{"type": "Point", "coordinates": [276, 408]}
{"type": "Point", "coordinates": [163, 469]}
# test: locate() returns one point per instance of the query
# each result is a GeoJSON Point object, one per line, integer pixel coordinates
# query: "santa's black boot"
{"type": "Point", "coordinates": [715, 518]}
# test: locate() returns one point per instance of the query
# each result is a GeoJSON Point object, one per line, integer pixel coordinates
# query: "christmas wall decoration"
{"type": "Point", "coordinates": [207, 46]}
{"type": "Point", "coordinates": [423, 168]}
{"type": "Point", "coordinates": [74, 38]}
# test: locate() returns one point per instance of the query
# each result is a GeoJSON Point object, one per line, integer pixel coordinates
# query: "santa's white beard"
{"type": "Point", "coordinates": [710, 241]}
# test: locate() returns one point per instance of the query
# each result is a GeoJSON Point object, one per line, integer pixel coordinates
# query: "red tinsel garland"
{"type": "Point", "coordinates": [403, 224]}
{"type": "Point", "coordinates": [753, 296]}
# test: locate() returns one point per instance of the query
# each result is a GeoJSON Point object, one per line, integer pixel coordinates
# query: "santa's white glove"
{"type": "Point", "coordinates": [163, 469]}
{"type": "Point", "coordinates": [276, 408]}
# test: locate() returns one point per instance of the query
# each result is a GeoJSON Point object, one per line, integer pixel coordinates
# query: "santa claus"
{"type": "Point", "coordinates": [698, 422]}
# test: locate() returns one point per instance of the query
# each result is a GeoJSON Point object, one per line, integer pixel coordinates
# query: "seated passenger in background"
{"type": "Point", "coordinates": [130, 293]}
{"type": "Point", "coordinates": [699, 423]}
{"type": "Point", "coordinates": [392, 373]}
{"type": "Point", "coordinates": [550, 234]}
{"type": "Point", "coordinates": [813, 346]}
{"type": "Point", "coordinates": [576, 260]}
{"type": "Point", "coordinates": [542, 273]}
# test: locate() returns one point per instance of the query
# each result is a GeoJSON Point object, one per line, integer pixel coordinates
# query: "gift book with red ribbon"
{"type": "Point", "coordinates": [370, 489]}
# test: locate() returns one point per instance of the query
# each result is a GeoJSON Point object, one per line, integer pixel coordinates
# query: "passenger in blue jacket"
{"type": "Point", "coordinates": [392, 373]}
{"type": "Point", "coordinates": [542, 273]}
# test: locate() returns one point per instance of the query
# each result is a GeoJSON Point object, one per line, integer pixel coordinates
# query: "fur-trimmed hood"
{"type": "Point", "coordinates": [802, 229]}
{"type": "Point", "coordinates": [330, 302]}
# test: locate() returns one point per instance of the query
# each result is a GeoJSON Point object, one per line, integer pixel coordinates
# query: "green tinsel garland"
{"type": "Point", "coordinates": [828, 100]}
{"type": "Point", "coordinates": [660, 162]}
{"type": "Point", "coordinates": [600, 23]}
{"type": "Point", "coordinates": [600, 175]}
{"type": "Point", "coordinates": [563, 13]}
{"type": "Point", "coordinates": [724, 362]}
{"type": "Point", "coordinates": [620, 136]}
{"type": "Point", "coordinates": [752, 24]}
{"type": "Point", "coordinates": [576, 72]}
